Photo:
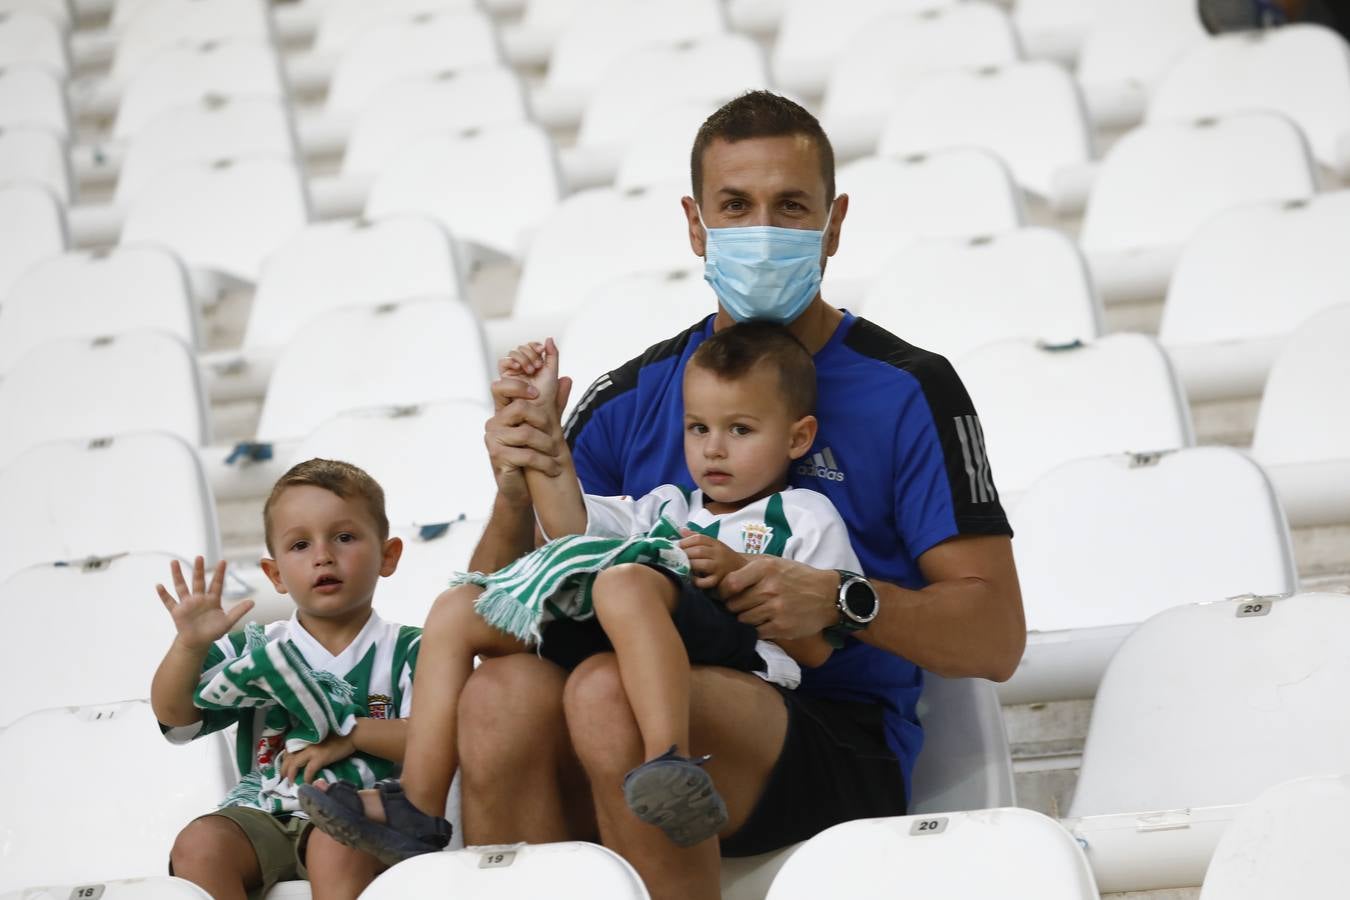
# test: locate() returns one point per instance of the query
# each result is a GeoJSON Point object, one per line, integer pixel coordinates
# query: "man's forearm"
{"type": "Point", "coordinates": [509, 536]}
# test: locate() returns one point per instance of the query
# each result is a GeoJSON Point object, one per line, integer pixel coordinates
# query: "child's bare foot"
{"type": "Point", "coordinates": [370, 801]}
{"type": "Point", "coordinates": [381, 822]}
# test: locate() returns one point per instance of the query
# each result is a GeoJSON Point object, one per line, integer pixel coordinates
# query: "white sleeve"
{"type": "Point", "coordinates": [819, 536]}
{"type": "Point", "coordinates": [623, 517]}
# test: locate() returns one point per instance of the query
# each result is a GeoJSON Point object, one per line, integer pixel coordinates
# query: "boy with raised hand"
{"type": "Point", "coordinates": [624, 576]}
{"type": "Point", "coordinates": [325, 692]}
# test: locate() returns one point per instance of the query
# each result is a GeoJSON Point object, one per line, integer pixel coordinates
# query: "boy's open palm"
{"type": "Point", "coordinates": [197, 613]}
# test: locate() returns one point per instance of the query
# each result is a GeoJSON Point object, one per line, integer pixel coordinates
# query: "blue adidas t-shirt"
{"type": "Point", "coordinates": [899, 452]}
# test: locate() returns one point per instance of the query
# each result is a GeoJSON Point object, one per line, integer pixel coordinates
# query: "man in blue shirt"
{"type": "Point", "coordinates": [901, 455]}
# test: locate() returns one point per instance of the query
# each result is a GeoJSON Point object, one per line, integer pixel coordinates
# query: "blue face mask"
{"type": "Point", "coordinates": [763, 271]}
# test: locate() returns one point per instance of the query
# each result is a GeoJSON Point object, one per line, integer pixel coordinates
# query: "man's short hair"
{"type": "Point", "coordinates": [732, 352]}
{"type": "Point", "coordinates": [758, 114]}
{"type": "Point", "coordinates": [335, 476]}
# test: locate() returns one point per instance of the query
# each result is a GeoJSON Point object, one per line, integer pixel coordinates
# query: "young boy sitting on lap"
{"type": "Point", "coordinates": [325, 692]}
{"type": "Point", "coordinates": [749, 395]}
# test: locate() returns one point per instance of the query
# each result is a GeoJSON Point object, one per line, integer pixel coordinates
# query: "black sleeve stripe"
{"type": "Point", "coordinates": [619, 381]}
{"type": "Point", "coordinates": [974, 497]}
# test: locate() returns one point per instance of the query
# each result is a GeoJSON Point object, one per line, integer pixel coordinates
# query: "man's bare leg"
{"type": "Point", "coordinates": [519, 779]}
{"type": "Point", "coordinates": [734, 716]}
{"type": "Point", "coordinates": [633, 604]}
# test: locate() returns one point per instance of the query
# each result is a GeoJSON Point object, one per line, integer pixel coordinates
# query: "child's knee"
{"type": "Point", "coordinates": [210, 841]}
{"type": "Point", "coordinates": [630, 587]}
{"type": "Point", "coordinates": [454, 607]}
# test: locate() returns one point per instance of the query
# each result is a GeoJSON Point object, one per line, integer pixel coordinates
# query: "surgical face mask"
{"type": "Point", "coordinates": [763, 271]}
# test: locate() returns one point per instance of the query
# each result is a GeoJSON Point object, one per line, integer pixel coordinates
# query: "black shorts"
{"type": "Point", "coordinates": [835, 766]}
{"type": "Point", "coordinates": [712, 635]}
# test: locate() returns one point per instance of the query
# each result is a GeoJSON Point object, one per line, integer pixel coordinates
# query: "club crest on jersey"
{"type": "Point", "coordinates": [378, 705]}
{"type": "Point", "coordinates": [755, 536]}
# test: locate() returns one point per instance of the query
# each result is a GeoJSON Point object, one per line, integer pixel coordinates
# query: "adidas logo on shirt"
{"type": "Point", "coordinates": [821, 465]}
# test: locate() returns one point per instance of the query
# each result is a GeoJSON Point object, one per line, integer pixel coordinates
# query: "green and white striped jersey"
{"type": "Point", "coordinates": [378, 663]}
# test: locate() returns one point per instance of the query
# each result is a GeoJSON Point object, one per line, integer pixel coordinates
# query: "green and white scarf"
{"type": "Point", "coordinates": [555, 581]}
{"type": "Point", "coordinates": [302, 707]}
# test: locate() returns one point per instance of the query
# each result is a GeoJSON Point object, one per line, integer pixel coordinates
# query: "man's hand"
{"type": "Point", "coordinates": [783, 599]}
{"type": "Point", "coordinates": [312, 760]}
{"type": "Point", "coordinates": [710, 559]}
{"type": "Point", "coordinates": [197, 613]}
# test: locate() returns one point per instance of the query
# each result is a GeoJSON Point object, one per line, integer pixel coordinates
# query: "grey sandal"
{"type": "Point", "coordinates": [677, 795]}
{"type": "Point", "coordinates": [407, 832]}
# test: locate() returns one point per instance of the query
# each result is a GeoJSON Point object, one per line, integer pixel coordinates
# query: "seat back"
{"type": "Point", "coordinates": [1022, 855]}
{"type": "Point", "coordinates": [1308, 382]}
{"type": "Point", "coordinates": [951, 295]}
{"type": "Point", "coordinates": [159, 24]}
{"type": "Point", "coordinates": [659, 152]}
{"type": "Point", "coordinates": [330, 265]}
{"type": "Point", "coordinates": [155, 888]}
{"type": "Point", "coordinates": [965, 763]}
{"type": "Point", "coordinates": [404, 353]}
{"type": "Point", "coordinates": [127, 819]}
{"type": "Point", "coordinates": [80, 388]}
{"type": "Point", "coordinates": [1201, 522]}
{"type": "Point", "coordinates": [108, 619]}
{"type": "Point", "coordinates": [72, 500]}
{"type": "Point", "coordinates": [489, 186]}
{"type": "Point", "coordinates": [343, 22]}
{"type": "Point", "coordinates": [1030, 114]}
{"type": "Point", "coordinates": [87, 294]}
{"type": "Point", "coordinates": [1192, 683]}
{"type": "Point", "coordinates": [1260, 271]}
{"type": "Point", "coordinates": [240, 211]}
{"type": "Point", "coordinates": [1041, 405]}
{"type": "Point", "coordinates": [31, 95]}
{"type": "Point", "coordinates": [1290, 841]}
{"type": "Point", "coordinates": [37, 154]}
{"type": "Point", "coordinates": [1162, 181]}
{"type": "Point", "coordinates": [32, 229]}
{"type": "Point", "coordinates": [1132, 45]}
{"type": "Point", "coordinates": [812, 37]}
{"type": "Point", "coordinates": [431, 555]}
{"type": "Point", "coordinates": [30, 38]}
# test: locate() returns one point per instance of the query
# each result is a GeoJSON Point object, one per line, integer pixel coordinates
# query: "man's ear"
{"type": "Point", "coordinates": [698, 236]}
{"type": "Point", "coordinates": [393, 552]}
{"type": "Point", "coordinates": [273, 573]}
{"type": "Point", "coordinates": [836, 220]}
{"type": "Point", "coordinates": [801, 436]}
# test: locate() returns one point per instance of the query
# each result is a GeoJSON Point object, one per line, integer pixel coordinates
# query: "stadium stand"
{"type": "Point", "coordinates": [34, 227]}
{"type": "Point", "coordinates": [1289, 841]}
{"type": "Point", "coordinates": [160, 24]}
{"type": "Point", "coordinates": [36, 155]}
{"type": "Point", "coordinates": [344, 22]}
{"type": "Point", "coordinates": [1206, 519]}
{"type": "Point", "coordinates": [74, 501]}
{"type": "Point", "coordinates": [952, 295]}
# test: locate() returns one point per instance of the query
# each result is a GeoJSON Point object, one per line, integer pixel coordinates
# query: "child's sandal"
{"type": "Point", "coordinates": [407, 831]}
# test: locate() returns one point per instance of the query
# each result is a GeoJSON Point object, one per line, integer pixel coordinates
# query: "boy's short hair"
{"type": "Point", "coordinates": [335, 476]}
{"type": "Point", "coordinates": [734, 351]}
{"type": "Point", "coordinates": [760, 114]}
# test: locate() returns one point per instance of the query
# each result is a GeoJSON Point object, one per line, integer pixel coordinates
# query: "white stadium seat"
{"type": "Point", "coordinates": [889, 56]}
{"type": "Point", "coordinates": [153, 888]}
{"type": "Point", "coordinates": [812, 37]}
{"type": "Point", "coordinates": [951, 295]}
{"type": "Point", "coordinates": [58, 11]}
{"type": "Point", "coordinates": [344, 22]}
{"type": "Point", "coordinates": [950, 193]}
{"type": "Point", "coordinates": [201, 131]}
{"type": "Point", "coordinates": [1301, 437]}
{"type": "Point", "coordinates": [416, 46]}
{"type": "Point", "coordinates": [1245, 282]}
{"type": "Point", "coordinates": [412, 352]}
{"type": "Point", "coordinates": [430, 556]}
{"type": "Point", "coordinates": [1054, 29]}
{"type": "Point", "coordinates": [1021, 854]}
{"type": "Point", "coordinates": [1030, 114]}
{"type": "Point", "coordinates": [1041, 405]}
{"type": "Point", "coordinates": [81, 388]}
{"type": "Point", "coordinates": [38, 155]}
{"type": "Point", "coordinates": [116, 837]}
{"type": "Point", "coordinates": [75, 500]}
{"type": "Point", "coordinates": [569, 870]}
{"type": "Point", "coordinates": [491, 187]}
{"type": "Point", "coordinates": [622, 318]}
{"type": "Point", "coordinates": [111, 622]}
{"type": "Point", "coordinates": [160, 24]}
{"type": "Point", "coordinates": [1200, 522]}
{"type": "Point", "coordinates": [31, 95]}
{"type": "Point", "coordinates": [1161, 182]}
{"type": "Point", "coordinates": [1127, 50]}
{"type": "Point", "coordinates": [240, 210]}
{"type": "Point", "coordinates": [400, 113]}
{"type": "Point", "coordinates": [429, 458]}
{"type": "Point", "coordinates": [331, 265]}
{"type": "Point", "coordinates": [31, 38]}
{"type": "Point", "coordinates": [659, 154]}
{"type": "Point", "coordinates": [32, 229]}
{"type": "Point", "coordinates": [569, 256]}
{"type": "Point", "coordinates": [1192, 698]}
{"type": "Point", "coordinates": [89, 294]}
{"type": "Point", "coordinates": [1302, 71]}
{"type": "Point", "coordinates": [1290, 841]}
{"type": "Point", "coordinates": [183, 74]}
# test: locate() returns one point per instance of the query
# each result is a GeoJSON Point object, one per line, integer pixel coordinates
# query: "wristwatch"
{"type": "Point", "coordinates": [857, 604]}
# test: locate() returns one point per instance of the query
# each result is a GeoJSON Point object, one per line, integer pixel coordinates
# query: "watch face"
{"type": "Point", "coordinates": [861, 600]}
